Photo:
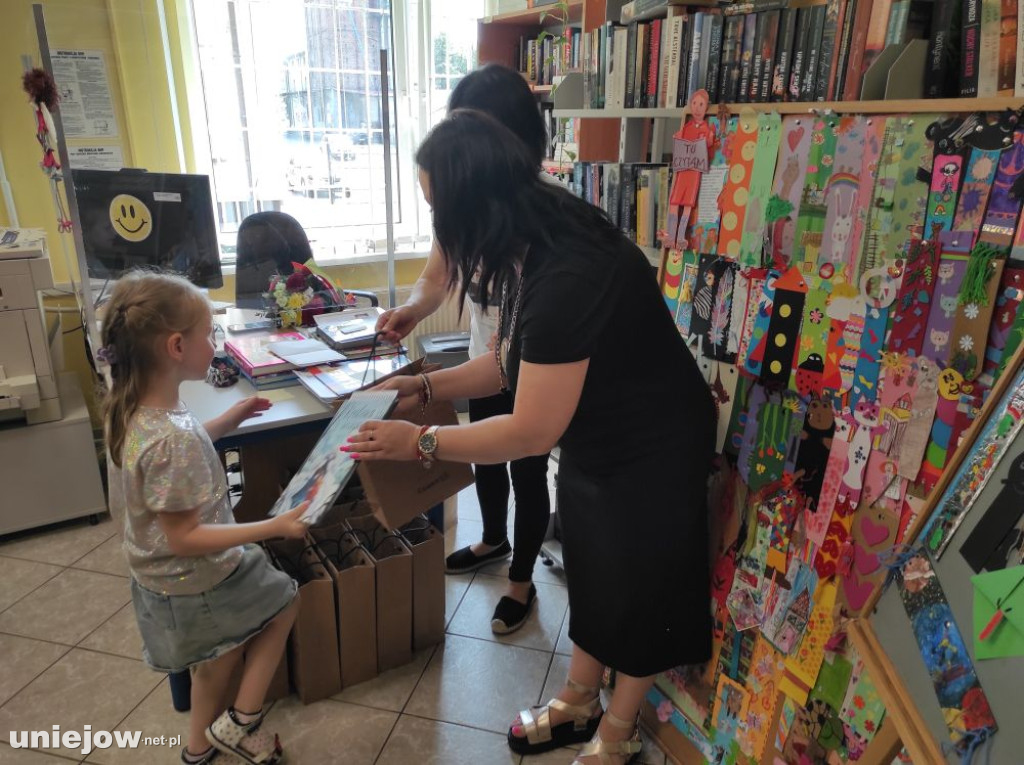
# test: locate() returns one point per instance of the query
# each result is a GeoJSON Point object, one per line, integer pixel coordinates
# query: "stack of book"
{"type": "Point", "coordinates": [541, 60]}
{"type": "Point", "coordinates": [353, 331]}
{"type": "Point", "coordinates": [634, 195]}
{"type": "Point", "coordinates": [264, 370]}
{"type": "Point", "coordinates": [791, 50]}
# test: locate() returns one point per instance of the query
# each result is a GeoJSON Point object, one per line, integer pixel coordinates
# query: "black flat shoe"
{"type": "Point", "coordinates": [465, 560]}
{"type": "Point", "coordinates": [510, 614]}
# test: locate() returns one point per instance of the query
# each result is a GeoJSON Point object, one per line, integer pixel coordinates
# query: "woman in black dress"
{"type": "Point", "coordinates": [597, 367]}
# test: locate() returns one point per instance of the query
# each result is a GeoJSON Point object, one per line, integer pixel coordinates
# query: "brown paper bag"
{"type": "Point", "coordinates": [313, 656]}
{"type": "Point", "coordinates": [393, 563]}
{"type": "Point", "coordinates": [427, 546]}
{"type": "Point", "coordinates": [352, 570]}
{"type": "Point", "coordinates": [399, 491]}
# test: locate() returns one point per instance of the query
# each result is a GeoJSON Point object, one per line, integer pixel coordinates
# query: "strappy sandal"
{"type": "Point", "coordinates": [541, 736]}
{"type": "Point", "coordinates": [605, 750]}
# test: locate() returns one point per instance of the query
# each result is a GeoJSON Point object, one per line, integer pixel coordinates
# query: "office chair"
{"type": "Point", "coordinates": [268, 244]}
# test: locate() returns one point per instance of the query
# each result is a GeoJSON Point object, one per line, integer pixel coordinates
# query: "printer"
{"type": "Point", "coordinates": [28, 386]}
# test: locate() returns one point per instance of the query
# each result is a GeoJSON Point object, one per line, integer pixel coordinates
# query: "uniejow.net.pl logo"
{"type": "Point", "coordinates": [87, 739]}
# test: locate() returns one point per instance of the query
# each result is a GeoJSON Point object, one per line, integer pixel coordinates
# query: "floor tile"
{"type": "Point", "coordinates": [469, 504]}
{"type": "Point", "coordinates": [68, 607]}
{"type": "Point", "coordinates": [82, 688]}
{"type": "Point", "coordinates": [11, 756]}
{"type": "Point", "coordinates": [479, 683]}
{"type": "Point", "coordinates": [556, 757]}
{"type": "Point", "coordinates": [330, 731]}
{"type": "Point", "coordinates": [154, 717]}
{"type": "Point", "coordinates": [547, 574]}
{"type": "Point", "coordinates": [462, 534]}
{"type": "Point", "coordinates": [118, 635]}
{"type": "Point", "coordinates": [454, 589]}
{"type": "Point", "coordinates": [20, 577]}
{"type": "Point", "coordinates": [557, 672]}
{"type": "Point", "coordinates": [427, 742]}
{"type": "Point", "coordinates": [61, 546]}
{"type": "Point", "coordinates": [564, 645]}
{"type": "Point", "coordinates": [473, 618]}
{"type": "Point", "coordinates": [108, 558]}
{"type": "Point", "coordinates": [391, 690]}
{"type": "Point", "coordinates": [24, 660]}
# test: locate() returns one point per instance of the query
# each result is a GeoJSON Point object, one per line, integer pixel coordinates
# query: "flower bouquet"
{"type": "Point", "coordinates": [296, 298]}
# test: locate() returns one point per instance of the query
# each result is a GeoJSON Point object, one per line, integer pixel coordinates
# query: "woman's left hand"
{"type": "Point", "coordinates": [395, 440]}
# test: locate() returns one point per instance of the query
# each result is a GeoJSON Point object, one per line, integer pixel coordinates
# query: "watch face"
{"type": "Point", "coordinates": [428, 442]}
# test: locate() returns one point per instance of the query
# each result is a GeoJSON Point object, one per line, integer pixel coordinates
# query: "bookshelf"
{"type": "Point", "coordinates": [532, 16]}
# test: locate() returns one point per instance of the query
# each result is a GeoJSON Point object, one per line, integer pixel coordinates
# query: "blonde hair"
{"type": "Point", "coordinates": [143, 306]}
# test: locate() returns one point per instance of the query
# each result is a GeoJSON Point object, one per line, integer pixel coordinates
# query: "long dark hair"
{"type": "Point", "coordinates": [504, 95]}
{"type": "Point", "coordinates": [489, 203]}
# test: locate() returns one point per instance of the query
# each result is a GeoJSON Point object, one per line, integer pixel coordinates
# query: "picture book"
{"type": "Point", "coordinates": [251, 351]}
{"type": "Point", "coordinates": [329, 383]}
{"type": "Point", "coordinates": [327, 469]}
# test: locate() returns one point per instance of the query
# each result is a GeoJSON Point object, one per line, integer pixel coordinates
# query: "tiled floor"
{"type": "Point", "coordinates": [69, 656]}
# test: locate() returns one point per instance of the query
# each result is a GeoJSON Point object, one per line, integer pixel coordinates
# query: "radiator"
{"type": "Point", "coordinates": [444, 319]}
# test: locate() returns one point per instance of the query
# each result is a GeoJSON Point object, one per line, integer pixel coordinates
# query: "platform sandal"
{"type": "Point", "coordinates": [244, 740]}
{"type": "Point", "coordinates": [606, 750]}
{"type": "Point", "coordinates": [541, 736]}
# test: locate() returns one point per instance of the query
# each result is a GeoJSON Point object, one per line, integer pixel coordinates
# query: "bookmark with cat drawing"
{"type": "Point", "coordinates": [956, 248]}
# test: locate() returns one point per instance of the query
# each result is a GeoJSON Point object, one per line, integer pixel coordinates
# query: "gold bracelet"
{"type": "Point", "coordinates": [427, 395]}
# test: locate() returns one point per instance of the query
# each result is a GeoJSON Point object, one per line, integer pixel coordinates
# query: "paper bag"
{"type": "Point", "coordinates": [313, 644]}
{"type": "Point", "coordinates": [399, 491]}
{"type": "Point", "coordinates": [427, 546]}
{"type": "Point", "coordinates": [352, 570]}
{"type": "Point", "coordinates": [278, 688]}
{"type": "Point", "coordinates": [393, 563]}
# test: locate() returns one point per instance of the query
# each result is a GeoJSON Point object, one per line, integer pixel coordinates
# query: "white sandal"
{"type": "Point", "coordinates": [605, 750]}
{"type": "Point", "coordinates": [541, 736]}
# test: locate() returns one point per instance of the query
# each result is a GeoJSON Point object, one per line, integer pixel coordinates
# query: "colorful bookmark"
{"type": "Point", "coordinates": [914, 441]}
{"type": "Point", "coordinates": [981, 171]}
{"type": "Point", "coordinates": [841, 195]}
{"type": "Point", "coordinates": [874, 133]}
{"type": "Point", "coordinates": [716, 341]}
{"type": "Point", "coordinates": [976, 303]}
{"type": "Point", "coordinates": [1005, 202]}
{"type": "Point", "coordinates": [741, 150]}
{"type": "Point", "coordinates": [707, 216]}
{"type": "Point", "coordinates": [956, 248]}
{"type": "Point", "coordinates": [769, 136]}
{"type": "Point", "coordinates": [910, 197]}
{"type": "Point", "coordinates": [813, 204]}
{"type": "Point", "coordinates": [783, 332]}
{"type": "Point", "coordinates": [687, 286]}
{"type": "Point", "coordinates": [1008, 302]}
{"type": "Point", "coordinates": [801, 669]}
{"type": "Point", "coordinates": [909, 318]}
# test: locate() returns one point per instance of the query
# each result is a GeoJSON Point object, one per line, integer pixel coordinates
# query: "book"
{"type": "Point", "coordinates": [817, 31]}
{"type": "Point", "coordinates": [783, 53]}
{"type": "Point", "coordinates": [271, 381]}
{"type": "Point", "coordinates": [693, 76]}
{"type": "Point", "coordinates": [842, 49]}
{"type": "Point", "coordinates": [349, 328]}
{"type": "Point", "coordinates": [757, 60]}
{"type": "Point", "coordinates": [769, 44]}
{"type": "Point", "coordinates": [332, 382]}
{"type": "Point", "coordinates": [874, 41]}
{"type": "Point", "coordinates": [666, 54]}
{"type": "Point", "coordinates": [747, 57]}
{"type": "Point", "coordinates": [653, 64]}
{"type": "Point", "coordinates": [940, 73]}
{"type": "Point", "coordinates": [664, 178]}
{"type": "Point", "coordinates": [643, 36]}
{"type": "Point", "coordinates": [674, 59]}
{"type": "Point", "coordinates": [304, 353]}
{"type": "Point", "coordinates": [827, 54]}
{"type": "Point", "coordinates": [728, 77]}
{"type": "Point", "coordinates": [970, 47]}
{"type": "Point", "coordinates": [619, 69]}
{"type": "Point", "coordinates": [684, 60]}
{"type": "Point", "coordinates": [613, 201]}
{"type": "Point", "coordinates": [1008, 32]}
{"type": "Point", "coordinates": [644, 208]}
{"type": "Point", "coordinates": [988, 53]}
{"type": "Point", "coordinates": [858, 39]}
{"type": "Point", "coordinates": [327, 469]}
{"type": "Point", "coordinates": [705, 53]}
{"type": "Point", "coordinates": [252, 354]}
{"type": "Point", "coordinates": [803, 27]}
{"type": "Point", "coordinates": [714, 58]}
{"type": "Point", "coordinates": [627, 221]}
{"type": "Point", "coordinates": [630, 68]}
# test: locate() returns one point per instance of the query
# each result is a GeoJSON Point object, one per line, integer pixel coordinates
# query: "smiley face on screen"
{"type": "Point", "coordinates": [130, 218]}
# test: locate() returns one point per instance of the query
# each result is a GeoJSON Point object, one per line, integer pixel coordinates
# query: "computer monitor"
{"type": "Point", "coordinates": [132, 218]}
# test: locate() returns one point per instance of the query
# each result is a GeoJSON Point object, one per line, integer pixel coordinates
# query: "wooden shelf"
{"type": "Point", "coordinates": [531, 16]}
{"type": "Point", "coordinates": [916, 106]}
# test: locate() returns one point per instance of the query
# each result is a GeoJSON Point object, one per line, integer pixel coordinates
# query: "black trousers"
{"type": "Point", "coordinates": [530, 485]}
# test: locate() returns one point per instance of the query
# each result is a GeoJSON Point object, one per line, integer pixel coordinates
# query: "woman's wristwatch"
{"type": "Point", "coordinates": [426, 444]}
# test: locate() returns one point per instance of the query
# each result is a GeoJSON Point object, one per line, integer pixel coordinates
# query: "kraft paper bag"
{"type": "Point", "coordinates": [393, 563]}
{"type": "Point", "coordinates": [355, 596]}
{"type": "Point", "coordinates": [427, 546]}
{"type": "Point", "coordinates": [313, 656]}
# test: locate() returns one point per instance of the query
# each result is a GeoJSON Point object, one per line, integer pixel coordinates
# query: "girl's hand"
{"type": "Point", "coordinates": [395, 440]}
{"type": "Point", "coordinates": [254, 406]}
{"type": "Point", "coordinates": [290, 525]}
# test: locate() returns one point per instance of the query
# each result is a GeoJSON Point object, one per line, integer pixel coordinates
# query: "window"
{"type": "Point", "coordinates": [453, 48]}
{"type": "Point", "coordinates": [292, 91]}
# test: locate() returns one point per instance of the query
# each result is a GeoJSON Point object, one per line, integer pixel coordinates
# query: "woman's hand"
{"type": "Point", "coordinates": [396, 323]}
{"type": "Point", "coordinates": [394, 440]}
{"type": "Point", "coordinates": [409, 388]}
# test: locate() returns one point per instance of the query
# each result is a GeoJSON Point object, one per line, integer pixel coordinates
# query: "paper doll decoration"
{"type": "Point", "coordinates": [783, 328]}
{"type": "Point", "coordinates": [41, 88]}
{"type": "Point", "coordinates": [691, 147]}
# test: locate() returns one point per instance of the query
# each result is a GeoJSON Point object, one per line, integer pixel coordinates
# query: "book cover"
{"type": "Point", "coordinates": [613, 173]}
{"type": "Point", "coordinates": [630, 68]}
{"type": "Point", "coordinates": [970, 47]}
{"type": "Point", "coordinates": [714, 58]}
{"type": "Point", "coordinates": [747, 57]}
{"type": "Point", "coordinates": [643, 32]}
{"type": "Point", "coordinates": [838, 47]}
{"type": "Point", "coordinates": [732, 34]}
{"type": "Point", "coordinates": [664, 176]}
{"type": "Point", "coordinates": [988, 55]}
{"type": "Point", "coordinates": [331, 382]}
{"type": "Point", "coordinates": [769, 44]}
{"type": "Point", "coordinates": [757, 60]}
{"type": "Point", "coordinates": [899, 15]}
{"type": "Point", "coordinates": [803, 31]}
{"type": "Point", "coordinates": [653, 64]}
{"type": "Point", "coordinates": [940, 72]}
{"type": "Point", "coordinates": [627, 217]}
{"type": "Point", "coordinates": [849, 12]}
{"type": "Point", "coordinates": [643, 207]}
{"type": "Point", "coordinates": [826, 57]}
{"type": "Point", "coordinates": [874, 42]}
{"type": "Point", "coordinates": [705, 52]}
{"type": "Point", "coordinates": [693, 75]}
{"type": "Point", "coordinates": [784, 53]}
{"type": "Point", "coordinates": [253, 356]}
{"type": "Point", "coordinates": [666, 55]}
{"type": "Point", "coordinates": [327, 469]}
{"type": "Point", "coordinates": [817, 31]}
{"type": "Point", "coordinates": [674, 60]}
{"type": "Point", "coordinates": [684, 59]}
{"type": "Point", "coordinates": [858, 39]}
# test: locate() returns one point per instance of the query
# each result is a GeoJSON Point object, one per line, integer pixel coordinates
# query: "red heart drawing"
{"type": "Point", "coordinates": [856, 591]}
{"type": "Point", "coordinates": [866, 562]}
{"type": "Point", "coordinates": [794, 138]}
{"type": "Point", "coordinates": [874, 533]}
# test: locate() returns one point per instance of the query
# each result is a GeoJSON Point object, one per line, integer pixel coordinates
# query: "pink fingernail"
{"type": "Point", "coordinates": [343, 448]}
{"type": "Point", "coordinates": [355, 456]}
{"type": "Point", "coordinates": [350, 439]}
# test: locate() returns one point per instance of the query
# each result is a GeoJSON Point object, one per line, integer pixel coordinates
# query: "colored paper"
{"type": "Point", "coordinates": [999, 613]}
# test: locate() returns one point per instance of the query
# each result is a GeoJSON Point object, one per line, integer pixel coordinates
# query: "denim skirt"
{"type": "Point", "coordinates": [180, 631]}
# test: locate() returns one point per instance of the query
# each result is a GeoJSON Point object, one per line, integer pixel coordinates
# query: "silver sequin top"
{"type": "Point", "coordinates": [169, 464]}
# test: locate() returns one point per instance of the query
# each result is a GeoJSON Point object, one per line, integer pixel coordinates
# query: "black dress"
{"type": "Point", "coordinates": [635, 459]}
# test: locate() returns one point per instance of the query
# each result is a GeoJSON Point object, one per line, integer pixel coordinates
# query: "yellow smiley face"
{"type": "Point", "coordinates": [951, 383]}
{"type": "Point", "coordinates": [130, 218]}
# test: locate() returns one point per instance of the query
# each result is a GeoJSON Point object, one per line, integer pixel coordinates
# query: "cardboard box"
{"type": "Point", "coordinates": [427, 546]}
{"type": "Point", "coordinates": [399, 491]}
{"type": "Point", "coordinates": [353, 572]}
{"type": "Point", "coordinates": [313, 656]}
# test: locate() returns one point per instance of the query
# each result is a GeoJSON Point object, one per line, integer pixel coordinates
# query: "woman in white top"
{"type": "Point", "coordinates": [503, 94]}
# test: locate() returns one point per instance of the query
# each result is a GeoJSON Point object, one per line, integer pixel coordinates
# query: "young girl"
{"type": "Point", "coordinates": [202, 591]}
